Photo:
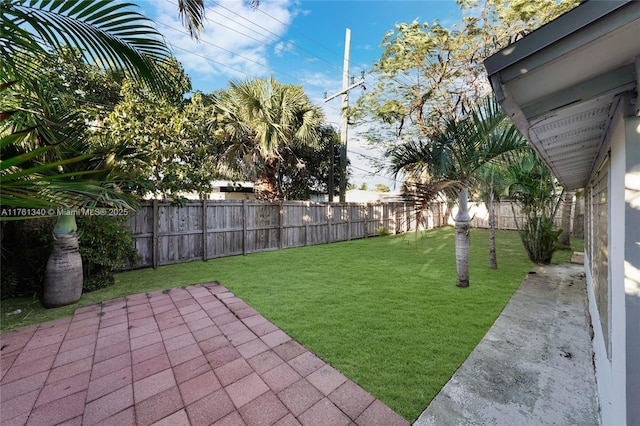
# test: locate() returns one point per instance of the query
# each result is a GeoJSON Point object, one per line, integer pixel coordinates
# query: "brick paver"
{"type": "Point", "coordinates": [186, 356]}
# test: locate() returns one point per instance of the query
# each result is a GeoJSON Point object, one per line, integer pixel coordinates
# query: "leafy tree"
{"type": "Point", "coordinates": [449, 161]}
{"type": "Point", "coordinates": [429, 78]}
{"type": "Point", "coordinates": [307, 169]}
{"type": "Point", "coordinates": [172, 147]}
{"type": "Point", "coordinates": [380, 187]}
{"type": "Point", "coordinates": [430, 73]}
{"type": "Point", "coordinates": [263, 121]}
{"type": "Point", "coordinates": [364, 186]}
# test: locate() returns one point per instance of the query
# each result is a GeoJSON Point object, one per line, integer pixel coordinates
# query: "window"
{"type": "Point", "coordinates": [599, 247]}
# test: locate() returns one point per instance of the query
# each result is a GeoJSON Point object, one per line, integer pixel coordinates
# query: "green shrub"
{"type": "Point", "coordinates": [540, 238]}
{"type": "Point", "coordinates": [105, 246]}
{"type": "Point", "coordinates": [382, 231]}
{"type": "Point", "coordinates": [26, 246]}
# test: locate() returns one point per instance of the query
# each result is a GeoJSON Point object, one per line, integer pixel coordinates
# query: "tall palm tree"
{"type": "Point", "coordinates": [263, 120]}
{"type": "Point", "coordinates": [448, 161]}
{"type": "Point", "coordinates": [490, 183]}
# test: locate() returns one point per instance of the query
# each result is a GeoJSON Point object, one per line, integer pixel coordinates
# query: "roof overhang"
{"type": "Point", "coordinates": [561, 83]}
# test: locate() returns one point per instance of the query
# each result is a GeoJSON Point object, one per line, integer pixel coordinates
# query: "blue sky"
{"type": "Point", "coordinates": [296, 41]}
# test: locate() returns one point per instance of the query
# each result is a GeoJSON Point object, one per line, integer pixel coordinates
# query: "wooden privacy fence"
{"type": "Point", "coordinates": [166, 234]}
{"type": "Point", "coordinates": [505, 211]}
{"type": "Point", "coordinates": [207, 229]}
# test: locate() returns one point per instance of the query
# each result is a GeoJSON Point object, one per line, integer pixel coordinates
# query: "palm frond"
{"type": "Point", "coordinates": [192, 13]}
{"type": "Point", "coordinates": [109, 33]}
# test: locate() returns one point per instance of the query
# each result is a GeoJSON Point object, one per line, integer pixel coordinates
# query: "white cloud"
{"type": "Point", "coordinates": [234, 42]}
{"type": "Point", "coordinates": [284, 46]}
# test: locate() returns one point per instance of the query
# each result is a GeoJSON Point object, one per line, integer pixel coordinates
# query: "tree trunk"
{"type": "Point", "coordinates": [578, 216]}
{"type": "Point", "coordinates": [493, 261]}
{"type": "Point", "coordinates": [266, 188]}
{"type": "Point", "coordinates": [63, 281]}
{"type": "Point", "coordinates": [463, 223]}
{"type": "Point", "coordinates": [565, 236]}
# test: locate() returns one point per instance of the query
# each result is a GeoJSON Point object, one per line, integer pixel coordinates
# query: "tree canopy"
{"type": "Point", "coordinates": [429, 73]}
{"type": "Point", "coordinates": [265, 121]}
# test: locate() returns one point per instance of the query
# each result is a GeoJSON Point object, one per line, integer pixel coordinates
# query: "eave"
{"type": "Point", "coordinates": [561, 83]}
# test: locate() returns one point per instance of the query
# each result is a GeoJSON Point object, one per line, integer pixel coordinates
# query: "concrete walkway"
{"type": "Point", "coordinates": [189, 356]}
{"type": "Point", "coordinates": [533, 367]}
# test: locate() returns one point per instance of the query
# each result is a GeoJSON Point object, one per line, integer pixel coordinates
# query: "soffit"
{"type": "Point", "coordinates": [562, 95]}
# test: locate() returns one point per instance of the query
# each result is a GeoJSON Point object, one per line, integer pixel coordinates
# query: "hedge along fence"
{"type": "Point", "coordinates": [207, 229]}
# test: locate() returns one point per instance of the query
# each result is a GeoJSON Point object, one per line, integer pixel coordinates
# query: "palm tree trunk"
{"type": "Point", "coordinates": [493, 261]}
{"type": "Point", "coordinates": [578, 216]}
{"type": "Point", "coordinates": [63, 281]}
{"type": "Point", "coordinates": [565, 236]}
{"type": "Point", "coordinates": [463, 223]}
{"type": "Point", "coordinates": [266, 187]}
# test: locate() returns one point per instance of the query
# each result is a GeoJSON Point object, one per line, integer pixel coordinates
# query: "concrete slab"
{"type": "Point", "coordinates": [577, 257]}
{"type": "Point", "coordinates": [534, 366]}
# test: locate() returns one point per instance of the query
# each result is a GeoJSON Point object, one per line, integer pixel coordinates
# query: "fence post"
{"type": "Point", "coordinates": [204, 230]}
{"type": "Point", "coordinates": [244, 227]}
{"type": "Point", "coordinates": [154, 236]}
{"type": "Point", "coordinates": [281, 224]}
{"type": "Point", "coordinates": [329, 220]}
{"type": "Point", "coordinates": [307, 214]}
{"type": "Point", "coordinates": [346, 205]}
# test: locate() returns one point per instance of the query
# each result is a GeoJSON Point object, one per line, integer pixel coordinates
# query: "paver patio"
{"type": "Point", "coordinates": [197, 355]}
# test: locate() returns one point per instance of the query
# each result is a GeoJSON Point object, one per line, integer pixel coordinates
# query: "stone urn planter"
{"type": "Point", "coordinates": [63, 282]}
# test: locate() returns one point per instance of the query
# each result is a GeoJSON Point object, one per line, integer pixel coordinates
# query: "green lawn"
{"type": "Point", "coordinates": [384, 311]}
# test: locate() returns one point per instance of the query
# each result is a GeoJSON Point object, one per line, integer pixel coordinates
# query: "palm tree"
{"type": "Point", "coordinates": [530, 183]}
{"type": "Point", "coordinates": [567, 205]}
{"type": "Point", "coordinates": [32, 123]}
{"type": "Point", "coordinates": [44, 158]}
{"type": "Point", "coordinates": [490, 182]}
{"type": "Point", "coordinates": [448, 161]}
{"type": "Point", "coordinates": [263, 120]}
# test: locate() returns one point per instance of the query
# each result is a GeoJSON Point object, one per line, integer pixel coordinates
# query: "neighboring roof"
{"type": "Point", "coordinates": [561, 83]}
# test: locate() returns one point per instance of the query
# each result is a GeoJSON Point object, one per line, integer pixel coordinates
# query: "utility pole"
{"type": "Point", "coordinates": [345, 118]}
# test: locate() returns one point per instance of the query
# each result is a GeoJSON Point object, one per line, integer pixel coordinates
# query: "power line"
{"type": "Point", "coordinates": [339, 55]}
{"type": "Point", "coordinates": [209, 59]}
{"type": "Point", "coordinates": [312, 54]}
{"type": "Point", "coordinates": [273, 70]}
{"type": "Point", "coordinates": [252, 29]}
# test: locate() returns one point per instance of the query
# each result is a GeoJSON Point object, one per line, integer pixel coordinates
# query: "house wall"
{"type": "Point", "coordinates": [617, 355]}
{"type": "Point", "coordinates": [609, 355]}
{"type": "Point", "coordinates": [632, 266]}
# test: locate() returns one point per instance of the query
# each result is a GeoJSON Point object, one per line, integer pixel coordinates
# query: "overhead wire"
{"type": "Point", "coordinates": [314, 55]}
{"type": "Point", "coordinates": [298, 47]}
{"type": "Point", "coordinates": [275, 71]}
{"type": "Point", "coordinates": [252, 29]}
